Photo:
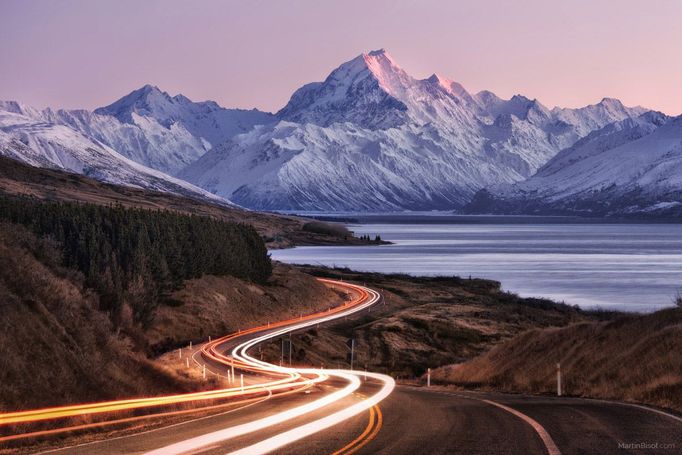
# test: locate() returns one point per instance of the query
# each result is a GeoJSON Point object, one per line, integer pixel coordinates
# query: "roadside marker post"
{"type": "Point", "coordinates": [190, 345]}
{"type": "Point", "coordinates": [233, 372]}
{"type": "Point", "coordinates": [241, 379]}
{"type": "Point", "coordinates": [180, 353]}
{"type": "Point", "coordinates": [558, 379]}
{"type": "Point", "coordinates": [428, 377]}
{"type": "Point", "coordinates": [187, 363]}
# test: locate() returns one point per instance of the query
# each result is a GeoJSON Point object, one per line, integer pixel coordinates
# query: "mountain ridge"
{"type": "Point", "coordinates": [404, 143]}
{"type": "Point", "coordinates": [368, 137]}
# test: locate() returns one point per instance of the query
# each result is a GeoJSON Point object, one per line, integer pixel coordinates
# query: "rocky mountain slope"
{"type": "Point", "coordinates": [372, 137]}
{"type": "Point", "coordinates": [628, 168]}
{"type": "Point", "coordinates": [369, 137]}
{"type": "Point", "coordinates": [29, 136]}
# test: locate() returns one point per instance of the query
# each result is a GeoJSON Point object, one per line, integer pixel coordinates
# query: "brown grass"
{"type": "Point", "coordinates": [427, 322]}
{"type": "Point", "coordinates": [56, 347]}
{"type": "Point", "coordinates": [634, 358]}
{"type": "Point", "coordinates": [217, 306]}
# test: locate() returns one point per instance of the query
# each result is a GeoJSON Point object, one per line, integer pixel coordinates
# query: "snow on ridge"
{"type": "Point", "coordinates": [370, 136]}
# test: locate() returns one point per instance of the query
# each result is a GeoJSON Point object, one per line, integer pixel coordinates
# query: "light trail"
{"type": "Point", "coordinates": [59, 412]}
{"type": "Point", "coordinates": [240, 355]}
{"type": "Point", "coordinates": [286, 379]}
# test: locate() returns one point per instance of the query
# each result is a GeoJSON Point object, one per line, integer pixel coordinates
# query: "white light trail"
{"type": "Point", "coordinates": [240, 354]}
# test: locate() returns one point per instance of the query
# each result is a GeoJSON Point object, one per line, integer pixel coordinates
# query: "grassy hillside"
{"type": "Point", "coordinates": [133, 258]}
{"type": "Point", "coordinates": [633, 358]}
{"type": "Point", "coordinates": [278, 231]}
{"type": "Point", "coordinates": [59, 347]}
{"type": "Point", "coordinates": [56, 346]}
{"type": "Point", "coordinates": [426, 322]}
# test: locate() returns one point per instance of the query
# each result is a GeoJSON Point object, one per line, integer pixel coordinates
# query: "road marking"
{"type": "Point", "coordinates": [635, 405]}
{"type": "Point", "coordinates": [368, 430]}
{"type": "Point", "coordinates": [547, 440]}
{"type": "Point", "coordinates": [539, 429]}
{"type": "Point", "coordinates": [298, 433]}
{"type": "Point", "coordinates": [367, 435]}
{"type": "Point", "coordinates": [377, 428]}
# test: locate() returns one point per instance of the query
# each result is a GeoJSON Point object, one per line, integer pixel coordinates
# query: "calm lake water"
{"type": "Point", "coordinates": [632, 267]}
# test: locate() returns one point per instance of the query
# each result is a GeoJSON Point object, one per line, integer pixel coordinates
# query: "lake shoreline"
{"type": "Point", "coordinates": [627, 267]}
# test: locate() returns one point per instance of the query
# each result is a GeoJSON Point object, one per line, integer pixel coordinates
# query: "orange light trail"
{"type": "Point", "coordinates": [211, 352]}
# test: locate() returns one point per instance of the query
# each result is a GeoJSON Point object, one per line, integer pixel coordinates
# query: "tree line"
{"type": "Point", "coordinates": [139, 257]}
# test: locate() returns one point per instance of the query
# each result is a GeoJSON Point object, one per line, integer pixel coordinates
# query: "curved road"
{"type": "Point", "coordinates": [410, 420]}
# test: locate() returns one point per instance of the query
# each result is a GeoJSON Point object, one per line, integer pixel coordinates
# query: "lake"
{"type": "Point", "coordinates": [630, 267]}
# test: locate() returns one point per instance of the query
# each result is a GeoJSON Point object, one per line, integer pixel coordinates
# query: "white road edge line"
{"type": "Point", "coordinates": [547, 440]}
{"type": "Point", "coordinates": [539, 429]}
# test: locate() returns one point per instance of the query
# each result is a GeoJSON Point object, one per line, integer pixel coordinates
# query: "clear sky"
{"type": "Point", "coordinates": [255, 53]}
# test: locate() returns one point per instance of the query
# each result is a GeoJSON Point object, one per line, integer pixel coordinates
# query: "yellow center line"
{"type": "Point", "coordinates": [377, 428]}
{"type": "Point", "coordinates": [367, 435]}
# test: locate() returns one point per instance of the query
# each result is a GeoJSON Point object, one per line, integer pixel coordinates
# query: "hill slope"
{"type": "Point", "coordinates": [633, 358]}
{"type": "Point", "coordinates": [278, 231]}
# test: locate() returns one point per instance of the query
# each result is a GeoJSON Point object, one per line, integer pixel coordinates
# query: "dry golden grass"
{"type": "Point", "coordinates": [634, 358]}
{"type": "Point", "coordinates": [56, 346]}
{"type": "Point", "coordinates": [215, 306]}
{"type": "Point", "coordinates": [426, 323]}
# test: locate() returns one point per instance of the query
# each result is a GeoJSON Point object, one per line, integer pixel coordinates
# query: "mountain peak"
{"type": "Point", "coordinates": [146, 100]}
{"type": "Point", "coordinates": [611, 102]}
{"type": "Point", "coordinates": [378, 52]}
{"type": "Point", "coordinates": [366, 90]}
{"type": "Point", "coordinates": [436, 78]}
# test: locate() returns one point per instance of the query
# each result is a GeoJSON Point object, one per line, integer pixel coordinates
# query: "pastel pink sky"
{"type": "Point", "coordinates": [255, 53]}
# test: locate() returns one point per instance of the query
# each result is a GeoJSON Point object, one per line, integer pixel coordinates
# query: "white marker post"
{"type": "Point", "coordinates": [558, 379]}
{"type": "Point", "coordinates": [233, 372]}
{"type": "Point", "coordinates": [180, 353]}
{"type": "Point", "coordinates": [428, 377]}
{"type": "Point", "coordinates": [241, 380]}
{"type": "Point", "coordinates": [187, 358]}
{"type": "Point", "coordinates": [190, 345]}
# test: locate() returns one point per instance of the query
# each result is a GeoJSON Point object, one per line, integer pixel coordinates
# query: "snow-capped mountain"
{"type": "Point", "coordinates": [632, 166]}
{"type": "Point", "coordinates": [162, 131]}
{"type": "Point", "coordinates": [26, 135]}
{"type": "Point", "coordinates": [372, 137]}
{"type": "Point", "coordinates": [152, 128]}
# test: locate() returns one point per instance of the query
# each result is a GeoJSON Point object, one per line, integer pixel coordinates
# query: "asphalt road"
{"type": "Point", "coordinates": [413, 420]}
{"type": "Point", "coordinates": [429, 421]}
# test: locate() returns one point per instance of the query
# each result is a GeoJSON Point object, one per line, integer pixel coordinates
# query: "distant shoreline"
{"type": "Point", "coordinates": [450, 218]}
